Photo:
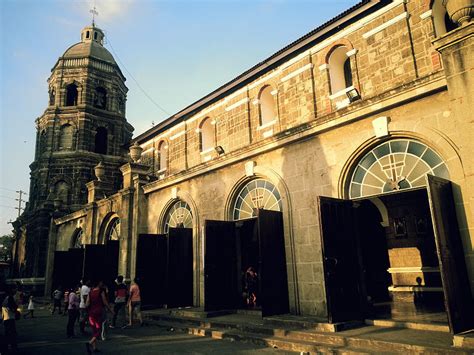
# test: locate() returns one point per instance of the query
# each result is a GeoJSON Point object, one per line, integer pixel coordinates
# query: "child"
{"type": "Point", "coordinates": [31, 308]}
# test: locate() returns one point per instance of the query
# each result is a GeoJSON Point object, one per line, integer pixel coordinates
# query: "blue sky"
{"type": "Point", "coordinates": [178, 51]}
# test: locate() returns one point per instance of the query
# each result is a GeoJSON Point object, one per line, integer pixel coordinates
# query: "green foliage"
{"type": "Point", "coordinates": [6, 245]}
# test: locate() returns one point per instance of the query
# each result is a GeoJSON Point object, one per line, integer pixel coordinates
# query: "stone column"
{"type": "Point", "coordinates": [53, 233]}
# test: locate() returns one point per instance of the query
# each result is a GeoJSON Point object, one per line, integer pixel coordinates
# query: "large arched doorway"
{"type": "Point", "coordinates": [165, 261]}
{"type": "Point", "coordinates": [393, 229]}
{"type": "Point", "coordinates": [245, 263]}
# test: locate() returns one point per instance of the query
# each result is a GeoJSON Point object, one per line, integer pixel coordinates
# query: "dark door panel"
{"type": "Point", "coordinates": [457, 291]}
{"type": "Point", "coordinates": [273, 277]}
{"type": "Point", "coordinates": [220, 266]}
{"type": "Point", "coordinates": [340, 259]}
{"type": "Point", "coordinates": [180, 267]}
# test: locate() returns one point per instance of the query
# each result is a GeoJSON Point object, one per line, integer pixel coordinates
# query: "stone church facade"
{"type": "Point", "coordinates": [356, 137]}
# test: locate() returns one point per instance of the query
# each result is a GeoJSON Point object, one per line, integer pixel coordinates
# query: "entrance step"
{"type": "Point", "coordinates": [196, 313]}
{"type": "Point", "coordinates": [409, 325]}
{"type": "Point", "coordinates": [311, 323]}
{"type": "Point", "coordinates": [464, 340]}
{"type": "Point", "coordinates": [368, 339]}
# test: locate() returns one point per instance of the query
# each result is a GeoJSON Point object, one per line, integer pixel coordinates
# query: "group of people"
{"type": "Point", "coordinates": [92, 303]}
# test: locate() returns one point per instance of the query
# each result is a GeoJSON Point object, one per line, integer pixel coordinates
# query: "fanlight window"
{"type": "Point", "coordinates": [256, 194]}
{"type": "Point", "coordinates": [395, 165]}
{"type": "Point", "coordinates": [179, 216]}
{"type": "Point", "coordinates": [113, 231]}
{"type": "Point", "coordinates": [78, 241]}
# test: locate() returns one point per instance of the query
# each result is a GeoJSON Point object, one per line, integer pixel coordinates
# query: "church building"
{"type": "Point", "coordinates": [340, 169]}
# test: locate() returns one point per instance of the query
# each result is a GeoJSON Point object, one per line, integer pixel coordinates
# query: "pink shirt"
{"type": "Point", "coordinates": [135, 293]}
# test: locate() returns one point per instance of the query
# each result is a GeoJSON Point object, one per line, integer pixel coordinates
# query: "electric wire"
{"type": "Point", "coordinates": [135, 80]}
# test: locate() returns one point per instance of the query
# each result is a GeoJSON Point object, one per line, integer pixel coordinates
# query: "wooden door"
{"type": "Point", "coordinates": [94, 262]}
{"type": "Point", "coordinates": [111, 263]}
{"type": "Point", "coordinates": [76, 265]}
{"type": "Point", "coordinates": [340, 259]}
{"type": "Point", "coordinates": [273, 277]}
{"type": "Point", "coordinates": [457, 291]}
{"type": "Point", "coordinates": [60, 270]}
{"type": "Point", "coordinates": [151, 268]}
{"type": "Point", "coordinates": [220, 266]}
{"type": "Point", "coordinates": [180, 267]}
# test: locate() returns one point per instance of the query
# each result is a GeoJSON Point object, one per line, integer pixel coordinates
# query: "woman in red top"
{"type": "Point", "coordinates": [96, 301]}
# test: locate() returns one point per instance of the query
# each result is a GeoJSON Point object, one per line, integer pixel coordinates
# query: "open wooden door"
{"type": "Point", "coordinates": [151, 268]}
{"type": "Point", "coordinates": [340, 259]}
{"type": "Point", "coordinates": [111, 263]}
{"type": "Point", "coordinates": [60, 269]}
{"type": "Point", "coordinates": [76, 265]}
{"type": "Point", "coordinates": [220, 266]}
{"type": "Point", "coordinates": [180, 267]}
{"type": "Point", "coordinates": [94, 260]}
{"type": "Point", "coordinates": [457, 291]}
{"type": "Point", "coordinates": [273, 277]}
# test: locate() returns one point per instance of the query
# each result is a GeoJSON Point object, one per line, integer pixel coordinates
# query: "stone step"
{"type": "Point", "coordinates": [315, 342]}
{"type": "Point", "coordinates": [310, 324]}
{"type": "Point", "coordinates": [409, 325]}
{"type": "Point", "coordinates": [464, 340]}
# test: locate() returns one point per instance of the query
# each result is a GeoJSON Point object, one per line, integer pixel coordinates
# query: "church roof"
{"type": "Point", "coordinates": [89, 49]}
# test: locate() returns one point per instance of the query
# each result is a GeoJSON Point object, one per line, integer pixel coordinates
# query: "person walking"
{"type": "Point", "coordinates": [9, 315]}
{"type": "Point", "coordinates": [134, 303]}
{"type": "Point", "coordinates": [31, 308]}
{"type": "Point", "coordinates": [73, 311]}
{"type": "Point", "coordinates": [66, 302]}
{"type": "Point", "coordinates": [83, 293]}
{"type": "Point", "coordinates": [121, 293]}
{"type": "Point", "coordinates": [96, 302]}
{"type": "Point", "coordinates": [57, 297]}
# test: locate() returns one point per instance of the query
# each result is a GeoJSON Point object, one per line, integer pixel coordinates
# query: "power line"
{"type": "Point", "coordinates": [135, 80]}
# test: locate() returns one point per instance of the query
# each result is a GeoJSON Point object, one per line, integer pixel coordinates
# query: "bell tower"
{"type": "Point", "coordinates": [84, 123]}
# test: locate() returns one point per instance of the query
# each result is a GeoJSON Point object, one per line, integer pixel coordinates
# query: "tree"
{"type": "Point", "coordinates": [6, 245]}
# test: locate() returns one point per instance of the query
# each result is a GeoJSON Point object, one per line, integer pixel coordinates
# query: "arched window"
{"type": "Point", "coordinates": [340, 71]}
{"type": "Point", "coordinates": [78, 239]}
{"type": "Point", "coordinates": [395, 165]}
{"type": "Point", "coordinates": [71, 95]}
{"type": "Point", "coordinates": [101, 140]}
{"type": "Point", "coordinates": [162, 156]}
{"type": "Point", "coordinates": [113, 230]}
{"type": "Point", "coordinates": [52, 96]}
{"type": "Point", "coordinates": [100, 98]}
{"type": "Point", "coordinates": [441, 21]}
{"type": "Point", "coordinates": [66, 137]}
{"type": "Point", "coordinates": [43, 141]}
{"type": "Point", "coordinates": [207, 135]}
{"type": "Point", "coordinates": [179, 216]}
{"type": "Point", "coordinates": [61, 192]}
{"type": "Point", "coordinates": [256, 194]}
{"type": "Point", "coordinates": [267, 106]}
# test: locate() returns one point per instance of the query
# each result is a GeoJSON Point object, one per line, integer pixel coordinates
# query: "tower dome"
{"type": "Point", "coordinates": [91, 45]}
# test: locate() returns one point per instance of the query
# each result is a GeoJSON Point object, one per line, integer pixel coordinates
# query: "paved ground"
{"type": "Point", "coordinates": [46, 334]}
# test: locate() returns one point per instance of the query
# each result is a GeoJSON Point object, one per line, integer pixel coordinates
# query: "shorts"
{"type": "Point", "coordinates": [136, 306]}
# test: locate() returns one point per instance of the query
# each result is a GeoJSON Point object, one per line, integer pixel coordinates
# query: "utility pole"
{"type": "Point", "coordinates": [20, 201]}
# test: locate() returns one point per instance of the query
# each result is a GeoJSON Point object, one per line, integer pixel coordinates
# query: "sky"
{"type": "Point", "coordinates": [172, 52]}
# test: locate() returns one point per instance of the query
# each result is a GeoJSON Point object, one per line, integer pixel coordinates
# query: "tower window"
{"type": "Point", "coordinates": [267, 106]}
{"type": "Point", "coordinates": [71, 95]}
{"type": "Point", "coordinates": [87, 34]}
{"type": "Point", "coordinates": [101, 140]}
{"type": "Point", "coordinates": [100, 98]}
{"type": "Point", "coordinates": [61, 192]}
{"type": "Point", "coordinates": [207, 135]}
{"type": "Point", "coordinates": [340, 71]}
{"type": "Point", "coordinates": [95, 35]}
